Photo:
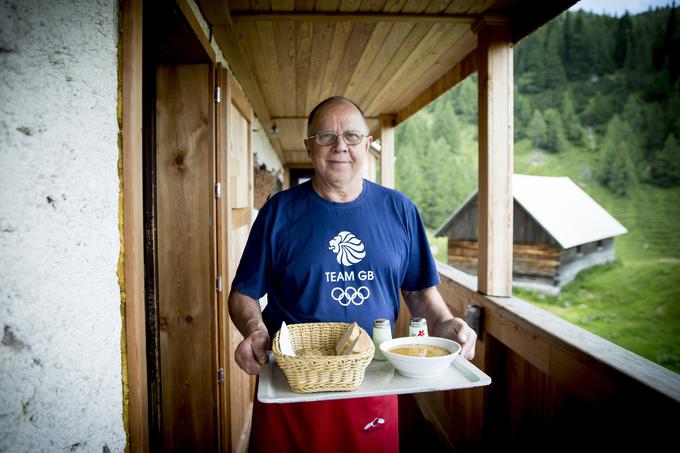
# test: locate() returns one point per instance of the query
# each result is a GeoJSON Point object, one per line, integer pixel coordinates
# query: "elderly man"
{"type": "Point", "coordinates": [311, 244]}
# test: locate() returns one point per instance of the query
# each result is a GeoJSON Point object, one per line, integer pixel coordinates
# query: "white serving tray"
{"type": "Point", "coordinates": [380, 379]}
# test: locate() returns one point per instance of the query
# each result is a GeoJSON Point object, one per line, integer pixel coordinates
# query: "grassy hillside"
{"type": "Point", "coordinates": [634, 302]}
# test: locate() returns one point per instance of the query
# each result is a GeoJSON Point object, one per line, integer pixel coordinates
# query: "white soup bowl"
{"type": "Point", "coordinates": [420, 367]}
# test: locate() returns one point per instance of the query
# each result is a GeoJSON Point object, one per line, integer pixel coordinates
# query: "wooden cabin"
{"type": "Point", "coordinates": [558, 230]}
{"type": "Point", "coordinates": [130, 132]}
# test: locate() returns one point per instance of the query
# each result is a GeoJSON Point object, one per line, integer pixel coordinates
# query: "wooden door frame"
{"type": "Point", "coordinates": [231, 94]}
{"type": "Point", "coordinates": [131, 226]}
{"type": "Point", "coordinates": [131, 266]}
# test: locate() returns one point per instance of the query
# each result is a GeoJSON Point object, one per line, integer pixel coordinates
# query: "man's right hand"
{"type": "Point", "coordinates": [251, 353]}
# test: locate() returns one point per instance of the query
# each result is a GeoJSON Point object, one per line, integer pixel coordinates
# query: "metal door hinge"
{"type": "Point", "coordinates": [218, 94]}
{"type": "Point", "coordinates": [218, 190]}
{"type": "Point", "coordinates": [220, 375]}
{"type": "Point", "coordinates": [219, 284]}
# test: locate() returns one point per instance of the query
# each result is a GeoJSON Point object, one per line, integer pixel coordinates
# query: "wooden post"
{"type": "Point", "coordinates": [133, 225]}
{"type": "Point", "coordinates": [494, 217]}
{"type": "Point", "coordinates": [387, 150]}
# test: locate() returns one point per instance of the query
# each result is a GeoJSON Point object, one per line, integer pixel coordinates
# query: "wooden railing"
{"type": "Point", "coordinates": [555, 386]}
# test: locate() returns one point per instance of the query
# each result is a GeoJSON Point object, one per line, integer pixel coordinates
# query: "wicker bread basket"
{"type": "Point", "coordinates": [321, 373]}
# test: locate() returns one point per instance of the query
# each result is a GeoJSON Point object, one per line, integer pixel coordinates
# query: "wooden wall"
{"type": "Point", "coordinates": [533, 260]}
{"type": "Point", "coordinates": [525, 228]}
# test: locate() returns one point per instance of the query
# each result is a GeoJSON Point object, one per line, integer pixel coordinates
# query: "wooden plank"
{"type": "Point", "coordinates": [226, 39]}
{"type": "Point", "coordinates": [238, 155]}
{"type": "Point", "coordinates": [387, 150]}
{"type": "Point", "coordinates": [394, 6]}
{"type": "Point", "coordinates": [354, 49]}
{"type": "Point", "coordinates": [321, 45]}
{"type": "Point", "coordinates": [451, 78]}
{"type": "Point", "coordinates": [270, 69]}
{"type": "Point", "coordinates": [394, 63]}
{"type": "Point", "coordinates": [222, 222]}
{"type": "Point", "coordinates": [495, 202]}
{"type": "Point", "coordinates": [211, 178]}
{"type": "Point", "coordinates": [413, 63]}
{"type": "Point", "coordinates": [388, 52]}
{"type": "Point", "coordinates": [238, 99]}
{"type": "Point", "coordinates": [249, 37]}
{"type": "Point", "coordinates": [303, 38]}
{"type": "Point", "coordinates": [283, 5]}
{"type": "Point", "coordinates": [349, 5]}
{"type": "Point", "coordinates": [334, 57]}
{"type": "Point", "coordinates": [365, 65]}
{"type": "Point", "coordinates": [132, 278]}
{"type": "Point", "coordinates": [237, 384]}
{"type": "Point", "coordinates": [334, 16]}
{"type": "Point", "coordinates": [196, 28]}
{"type": "Point", "coordinates": [185, 273]}
{"type": "Point", "coordinates": [216, 10]}
{"type": "Point", "coordinates": [430, 61]}
{"type": "Point", "coordinates": [286, 54]}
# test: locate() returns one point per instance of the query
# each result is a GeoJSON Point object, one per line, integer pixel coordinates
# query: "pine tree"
{"type": "Point", "coordinates": [554, 75]}
{"type": "Point", "coordinates": [624, 31]}
{"type": "Point", "coordinates": [597, 112]}
{"type": "Point", "coordinates": [446, 125]}
{"type": "Point", "coordinates": [537, 129]}
{"type": "Point", "coordinates": [555, 140]}
{"type": "Point", "coordinates": [522, 114]}
{"type": "Point", "coordinates": [617, 170]}
{"type": "Point", "coordinates": [665, 169]}
{"type": "Point", "coordinates": [572, 125]}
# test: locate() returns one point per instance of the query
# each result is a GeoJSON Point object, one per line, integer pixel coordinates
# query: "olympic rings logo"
{"type": "Point", "coordinates": [345, 296]}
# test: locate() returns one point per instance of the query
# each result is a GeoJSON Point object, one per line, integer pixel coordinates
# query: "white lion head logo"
{"type": "Point", "coordinates": [348, 247]}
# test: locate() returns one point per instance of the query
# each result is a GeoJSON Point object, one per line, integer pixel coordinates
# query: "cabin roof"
{"type": "Point", "coordinates": [560, 206]}
{"type": "Point", "coordinates": [392, 57]}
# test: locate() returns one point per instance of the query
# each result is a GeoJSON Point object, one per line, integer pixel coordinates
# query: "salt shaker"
{"type": "Point", "coordinates": [417, 327]}
{"type": "Point", "coordinates": [381, 332]}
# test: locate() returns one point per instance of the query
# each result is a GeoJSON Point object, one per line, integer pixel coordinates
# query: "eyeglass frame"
{"type": "Point", "coordinates": [335, 140]}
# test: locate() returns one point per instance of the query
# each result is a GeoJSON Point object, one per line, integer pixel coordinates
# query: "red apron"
{"type": "Point", "coordinates": [356, 425]}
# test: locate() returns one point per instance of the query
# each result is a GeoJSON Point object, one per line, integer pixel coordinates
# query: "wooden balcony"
{"type": "Point", "coordinates": [555, 386]}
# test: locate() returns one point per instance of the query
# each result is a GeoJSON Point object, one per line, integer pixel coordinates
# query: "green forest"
{"type": "Point", "coordinates": [597, 98]}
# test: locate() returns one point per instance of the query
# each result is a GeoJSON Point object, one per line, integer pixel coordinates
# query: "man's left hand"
{"type": "Point", "coordinates": [458, 330]}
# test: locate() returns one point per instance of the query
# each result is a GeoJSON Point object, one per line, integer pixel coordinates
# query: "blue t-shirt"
{"type": "Point", "coordinates": [323, 261]}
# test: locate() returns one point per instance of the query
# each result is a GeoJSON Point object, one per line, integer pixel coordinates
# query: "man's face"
{"type": "Point", "coordinates": [338, 164]}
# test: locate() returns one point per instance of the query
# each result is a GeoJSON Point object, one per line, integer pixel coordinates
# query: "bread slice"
{"type": "Point", "coordinates": [353, 341]}
{"type": "Point", "coordinates": [346, 342]}
{"type": "Point", "coordinates": [363, 343]}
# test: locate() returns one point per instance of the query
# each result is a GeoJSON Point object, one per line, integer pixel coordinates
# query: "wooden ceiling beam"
{"type": "Point", "coordinates": [334, 16]}
{"type": "Point", "coordinates": [276, 118]}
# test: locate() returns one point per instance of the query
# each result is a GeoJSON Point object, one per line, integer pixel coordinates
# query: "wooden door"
{"type": "Point", "coordinates": [235, 174]}
{"type": "Point", "coordinates": [185, 253]}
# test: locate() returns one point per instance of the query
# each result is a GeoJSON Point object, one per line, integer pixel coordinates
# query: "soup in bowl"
{"type": "Point", "coordinates": [420, 357]}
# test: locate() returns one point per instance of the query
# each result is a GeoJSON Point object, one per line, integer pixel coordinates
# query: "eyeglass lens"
{"type": "Point", "coordinates": [350, 137]}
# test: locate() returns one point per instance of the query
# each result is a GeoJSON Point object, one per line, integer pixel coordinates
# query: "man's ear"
{"type": "Point", "coordinates": [308, 147]}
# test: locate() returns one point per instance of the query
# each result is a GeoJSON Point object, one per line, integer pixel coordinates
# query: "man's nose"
{"type": "Point", "coordinates": [340, 145]}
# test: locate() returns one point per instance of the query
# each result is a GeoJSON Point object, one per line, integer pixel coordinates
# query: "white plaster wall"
{"type": "Point", "coordinates": [264, 151]}
{"type": "Point", "coordinates": [60, 319]}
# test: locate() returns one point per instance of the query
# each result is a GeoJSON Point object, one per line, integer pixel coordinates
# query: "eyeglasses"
{"type": "Point", "coordinates": [350, 137]}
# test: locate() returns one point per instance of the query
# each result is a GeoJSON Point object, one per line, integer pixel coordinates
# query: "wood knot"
{"type": "Point", "coordinates": [179, 161]}
{"type": "Point", "coordinates": [188, 318]}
